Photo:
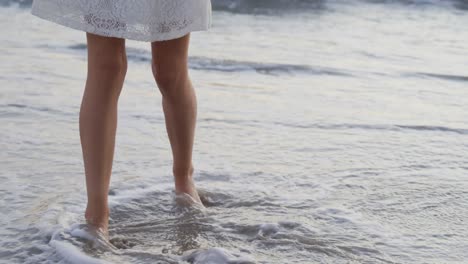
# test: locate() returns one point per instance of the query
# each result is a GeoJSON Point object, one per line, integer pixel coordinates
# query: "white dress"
{"type": "Point", "coordinates": [143, 20]}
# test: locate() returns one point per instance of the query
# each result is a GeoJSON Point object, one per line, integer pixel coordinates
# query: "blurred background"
{"type": "Point", "coordinates": [329, 131]}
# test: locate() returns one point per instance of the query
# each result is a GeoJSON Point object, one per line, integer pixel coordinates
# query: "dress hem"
{"type": "Point", "coordinates": [124, 35]}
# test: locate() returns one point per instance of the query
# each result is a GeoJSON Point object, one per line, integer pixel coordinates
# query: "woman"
{"type": "Point", "coordinates": [167, 25]}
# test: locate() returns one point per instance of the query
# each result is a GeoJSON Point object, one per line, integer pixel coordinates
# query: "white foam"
{"type": "Point", "coordinates": [73, 254]}
{"type": "Point", "coordinates": [214, 255]}
{"type": "Point", "coordinates": [98, 239]}
{"type": "Point", "coordinates": [81, 233]}
{"type": "Point", "coordinates": [268, 229]}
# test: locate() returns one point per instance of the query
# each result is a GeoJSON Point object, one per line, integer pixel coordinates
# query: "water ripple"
{"type": "Point", "coordinates": [448, 77]}
{"type": "Point", "coordinates": [424, 128]}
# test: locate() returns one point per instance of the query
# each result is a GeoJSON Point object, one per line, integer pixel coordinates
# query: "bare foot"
{"type": "Point", "coordinates": [188, 188]}
{"type": "Point", "coordinates": [185, 185]}
{"type": "Point", "coordinates": [94, 235]}
{"type": "Point", "coordinates": [99, 221]}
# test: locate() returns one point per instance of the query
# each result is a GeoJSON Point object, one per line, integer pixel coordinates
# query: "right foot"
{"type": "Point", "coordinates": [99, 222]}
{"type": "Point", "coordinates": [185, 185]}
{"type": "Point", "coordinates": [188, 188]}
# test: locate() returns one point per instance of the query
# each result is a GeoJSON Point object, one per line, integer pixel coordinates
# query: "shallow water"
{"type": "Point", "coordinates": [328, 132]}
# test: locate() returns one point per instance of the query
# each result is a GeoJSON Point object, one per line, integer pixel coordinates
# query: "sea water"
{"type": "Point", "coordinates": [328, 132]}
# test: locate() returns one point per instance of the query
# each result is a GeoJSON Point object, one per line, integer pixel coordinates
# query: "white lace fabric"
{"type": "Point", "coordinates": [143, 20]}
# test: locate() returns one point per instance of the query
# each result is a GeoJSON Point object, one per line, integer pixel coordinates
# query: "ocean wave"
{"type": "Point", "coordinates": [448, 77]}
{"type": "Point", "coordinates": [460, 4]}
{"type": "Point", "coordinates": [210, 64]}
{"type": "Point", "coordinates": [421, 128]}
{"type": "Point", "coordinates": [267, 6]}
{"type": "Point", "coordinates": [267, 68]}
{"type": "Point", "coordinates": [21, 3]}
{"type": "Point", "coordinates": [282, 6]}
{"type": "Point", "coordinates": [325, 126]}
{"type": "Point", "coordinates": [227, 65]}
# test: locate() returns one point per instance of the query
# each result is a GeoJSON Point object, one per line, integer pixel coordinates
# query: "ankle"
{"type": "Point", "coordinates": [182, 174]}
{"type": "Point", "coordinates": [97, 216]}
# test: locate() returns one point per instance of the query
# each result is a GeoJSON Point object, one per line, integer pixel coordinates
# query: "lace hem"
{"type": "Point", "coordinates": [112, 22]}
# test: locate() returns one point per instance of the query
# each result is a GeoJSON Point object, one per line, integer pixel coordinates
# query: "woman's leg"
{"type": "Point", "coordinates": [170, 70]}
{"type": "Point", "coordinates": [107, 66]}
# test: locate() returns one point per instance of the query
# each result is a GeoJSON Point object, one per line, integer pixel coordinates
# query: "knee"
{"type": "Point", "coordinates": [111, 69]}
{"type": "Point", "coordinates": [171, 77]}
{"type": "Point", "coordinates": [105, 78]}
